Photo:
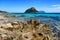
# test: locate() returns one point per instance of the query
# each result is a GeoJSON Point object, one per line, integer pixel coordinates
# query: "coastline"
{"type": "Point", "coordinates": [28, 27]}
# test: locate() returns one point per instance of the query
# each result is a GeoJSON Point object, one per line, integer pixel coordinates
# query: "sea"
{"type": "Point", "coordinates": [53, 19]}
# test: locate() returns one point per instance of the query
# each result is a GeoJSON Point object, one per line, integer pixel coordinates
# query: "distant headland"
{"type": "Point", "coordinates": [29, 10]}
{"type": "Point", "coordinates": [3, 12]}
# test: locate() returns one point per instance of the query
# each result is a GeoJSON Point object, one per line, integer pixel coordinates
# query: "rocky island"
{"type": "Point", "coordinates": [31, 10]}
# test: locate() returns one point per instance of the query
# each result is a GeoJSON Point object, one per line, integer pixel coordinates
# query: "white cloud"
{"type": "Point", "coordinates": [57, 5]}
{"type": "Point", "coordinates": [57, 8]}
{"type": "Point", "coordinates": [53, 8]}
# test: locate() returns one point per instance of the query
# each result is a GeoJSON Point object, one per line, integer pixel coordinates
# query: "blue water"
{"type": "Point", "coordinates": [38, 14]}
{"type": "Point", "coordinates": [32, 14]}
{"type": "Point", "coordinates": [25, 16]}
{"type": "Point", "coordinates": [45, 18]}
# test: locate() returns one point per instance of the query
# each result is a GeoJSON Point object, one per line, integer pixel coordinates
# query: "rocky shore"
{"type": "Point", "coordinates": [27, 30]}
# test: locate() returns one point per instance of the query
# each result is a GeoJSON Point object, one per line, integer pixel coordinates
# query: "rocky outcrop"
{"type": "Point", "coordinates": [31, 10]}
{"type": "Point", "coordinates": [31, 30]}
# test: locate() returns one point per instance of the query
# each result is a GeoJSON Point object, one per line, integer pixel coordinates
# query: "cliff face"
{"type": "Point", "coordinates": [31, 10]}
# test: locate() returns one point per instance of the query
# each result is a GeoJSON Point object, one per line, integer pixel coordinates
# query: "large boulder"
{"type": "Point", "coordinates": [6, 25]}
{"type": "Point", "coordinates": [31, 10]}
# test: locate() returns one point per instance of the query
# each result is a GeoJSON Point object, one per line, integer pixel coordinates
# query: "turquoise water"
{"type": "Point", "coordinates": [45, 18]}
{"type": "Point", "coordinates": [32, 14]}
{"type": "Point", "coordinates": [25, 16]}
{"type": "Point", "coordinates": [38, 14]}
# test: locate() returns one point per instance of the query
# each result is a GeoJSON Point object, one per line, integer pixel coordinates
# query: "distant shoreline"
{"type": "Point", "coordinates": [36, 13]}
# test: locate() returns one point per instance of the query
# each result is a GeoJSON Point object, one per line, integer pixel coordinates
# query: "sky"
{"type": "Point", "coordinates": [22, 5]}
